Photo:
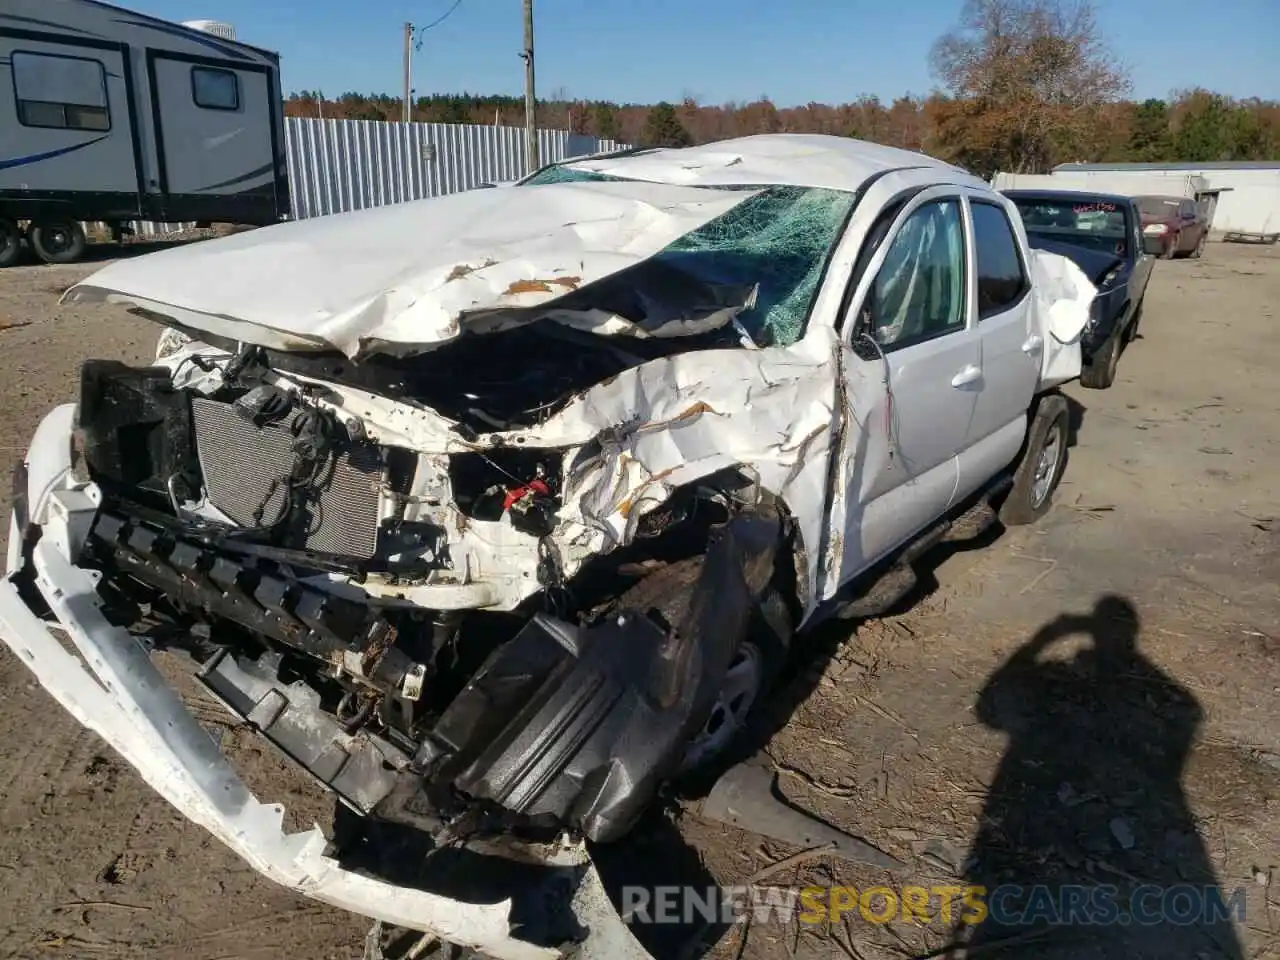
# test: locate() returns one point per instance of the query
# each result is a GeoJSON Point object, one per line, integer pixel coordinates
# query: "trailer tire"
{"type": "Point", "coordinates": [58, 241]}
{"type": "Point", "coordinates": [10, 243]}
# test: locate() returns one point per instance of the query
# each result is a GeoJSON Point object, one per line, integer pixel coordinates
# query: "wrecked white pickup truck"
{"type": "Point", "coordinates": [496, 511]}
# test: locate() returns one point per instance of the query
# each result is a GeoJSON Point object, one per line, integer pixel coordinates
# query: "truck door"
{"type": "Point", "coordinates": [911, 380]}
{"type": "Point", "coordinates": [66, 121]}
{"type": "Point", "coordinates": [215, 136]}
{"type": "Point", "coordinates": [1012, 348]}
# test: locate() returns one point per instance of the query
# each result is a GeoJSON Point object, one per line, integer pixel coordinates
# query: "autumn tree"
{"type": "Point", "coordinates": [1027, 79]}
{"type": "Point", "coordinates": [1207, 126]}
{"type": "Point", "coordinates": [1149, 133]}
{"type": "Point", "coordinates": [1195, 125]}
{"type": "Point", "coordinates": [605, 120]}
{"type": "Point", "coordinates": [662, 128]}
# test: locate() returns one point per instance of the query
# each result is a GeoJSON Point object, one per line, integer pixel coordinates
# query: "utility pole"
{"type": "Point", "coordinates": [530, 103]}
{"type": "Point", "coordinates": [408, 67]}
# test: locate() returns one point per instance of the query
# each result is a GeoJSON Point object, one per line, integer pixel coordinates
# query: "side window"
{"type": "Point", "coordinates": [1188, 210]}
{"type": "Point", "coordinates": [1002, 280]}
{"type": "Point", "coordinates": [215, 89]}
{"type": "Point", "coordinates": [67, 93]}
{"type": "Point", "coordinates": [919, 292]}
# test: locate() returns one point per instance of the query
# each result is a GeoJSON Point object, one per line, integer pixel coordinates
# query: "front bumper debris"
{"type": "Point", "coordinates": [119, 694]}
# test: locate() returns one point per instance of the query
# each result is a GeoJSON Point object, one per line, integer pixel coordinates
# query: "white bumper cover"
{"type": "Point", "coordinates": [116, 691]}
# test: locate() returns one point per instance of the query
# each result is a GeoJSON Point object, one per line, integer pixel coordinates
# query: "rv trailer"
{"type": "Point", "coordinates": [109, 115]}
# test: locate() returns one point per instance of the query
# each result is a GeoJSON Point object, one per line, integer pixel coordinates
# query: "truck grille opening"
{"type": "Point", "coordinates": [240, 462]}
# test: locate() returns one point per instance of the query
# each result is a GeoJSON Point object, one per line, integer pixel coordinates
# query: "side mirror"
{"type": "Point", "coordinates": [1152, 244]}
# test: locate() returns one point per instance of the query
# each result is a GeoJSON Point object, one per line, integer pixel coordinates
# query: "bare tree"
{"type": "Point", "coordinates": [1028, 79]}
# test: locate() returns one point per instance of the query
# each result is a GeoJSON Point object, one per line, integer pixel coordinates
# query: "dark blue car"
{"type": "Point", "coordinates": [1102, 233]}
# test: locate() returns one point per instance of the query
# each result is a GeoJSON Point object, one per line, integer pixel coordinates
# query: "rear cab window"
{"type": "Point", "coordinates": [1002, 276]}
{"type": "Point", "coordinates": [1157, 208]}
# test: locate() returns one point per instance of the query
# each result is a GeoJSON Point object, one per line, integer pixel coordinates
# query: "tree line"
{"type": "Point", "coordinates": [1023, 85]}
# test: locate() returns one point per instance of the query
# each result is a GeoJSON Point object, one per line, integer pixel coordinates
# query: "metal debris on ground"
{"type": "Point", "coordinates": [747, 796]}
{"type": "Point", "coordinates": [1123, 833]}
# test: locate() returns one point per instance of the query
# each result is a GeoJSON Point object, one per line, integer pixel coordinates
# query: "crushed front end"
{"type": "Point", "coordinates": [390, 516]}
{"type": "Point", "coordinates": [399, 623]}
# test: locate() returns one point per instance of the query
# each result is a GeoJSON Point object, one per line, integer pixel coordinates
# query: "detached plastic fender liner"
{"type": "Point", "coordinates": [738, 568]}
{"type": "Point", "coordinates": [130, 706]}
{"type": "Point", "coordinates": [579, 725]}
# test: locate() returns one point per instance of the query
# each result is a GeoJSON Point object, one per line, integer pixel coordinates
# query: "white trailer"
{"type": "Point", "coordinates": [109, 115]}
{"type": "Point", "coordinates": [1104, 181]}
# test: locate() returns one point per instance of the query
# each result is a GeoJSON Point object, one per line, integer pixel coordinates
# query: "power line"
{"type": "Point", "coordinates": [412, 46]}
{"type": "Point", "coordinates": [437, 21]}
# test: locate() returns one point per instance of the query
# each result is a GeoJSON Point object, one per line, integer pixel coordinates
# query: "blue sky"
{"type": "Point", "coordinates": [716, 50]}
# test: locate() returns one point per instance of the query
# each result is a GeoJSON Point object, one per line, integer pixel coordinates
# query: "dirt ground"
{"type": "Point", "coordinates": [1089, 700]}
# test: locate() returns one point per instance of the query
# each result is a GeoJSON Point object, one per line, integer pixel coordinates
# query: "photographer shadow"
{"type": "Point", "coordinates": [1087, 836]}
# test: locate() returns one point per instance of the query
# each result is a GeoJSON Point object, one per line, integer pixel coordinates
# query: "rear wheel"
{"type": "Point", "coordinates": [1041, 465]}
{"type": "Point", "coordinates": [10, 243]}
{"type": "Point", "coordinates": [58, 241]}
{"type": "Point", "coordinates": [1171, 250]}
{"type": "Point", "coordinates": [1198, 252]}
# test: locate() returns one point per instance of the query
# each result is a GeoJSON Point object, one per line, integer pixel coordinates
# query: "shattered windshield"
{"type": "Point", "coordinates": [778, 241]}
{"type": "Point", "coordinates": [557, 173]}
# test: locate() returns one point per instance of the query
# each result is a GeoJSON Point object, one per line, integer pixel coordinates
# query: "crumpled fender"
{"type": "Point", "coordinates": [49, 458]}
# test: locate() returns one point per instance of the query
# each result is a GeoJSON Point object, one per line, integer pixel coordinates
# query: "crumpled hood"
{"type": "Point", "coordinates": [1096, 264]}
{"type": "Point", "coordinates": [408, 277]}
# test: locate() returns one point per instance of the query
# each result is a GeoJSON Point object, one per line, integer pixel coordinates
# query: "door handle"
{"type": "Point", "coordinates": [1033, 344]}
{"type": "Point", "coordinates": [967, 375]}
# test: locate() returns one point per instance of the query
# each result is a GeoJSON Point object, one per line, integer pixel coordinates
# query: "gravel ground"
{"type": "Point", "coordinates": [1089, 700]}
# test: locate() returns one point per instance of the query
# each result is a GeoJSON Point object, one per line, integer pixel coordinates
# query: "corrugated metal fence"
{"type": "Point", "coordinates": [340, 165]}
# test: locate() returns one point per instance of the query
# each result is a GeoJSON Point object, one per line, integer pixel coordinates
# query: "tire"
{"type": "Point", "coordinates": [10, 243]}
{"type": "Point", "coordinates": [1131, 334]}
{"type": "Point", "coordinates": [1171, 251]}
{"type": "Point", "coordinates": [58, 241]}
{"type": "Point", "coordinates": [1198, 252]}
{"type": "Point", "coordinates": [667, 592]}
{"type": "Point", "coordinates": [1101, 374]}
{"type": "Point", "coordinates": [1029, 498]}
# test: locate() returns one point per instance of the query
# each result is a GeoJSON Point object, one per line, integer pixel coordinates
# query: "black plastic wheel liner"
{"type": "Point", "coordinates": [579, 725]}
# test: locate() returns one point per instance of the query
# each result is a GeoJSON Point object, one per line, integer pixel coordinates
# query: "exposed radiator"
{"type": "Point", "coordinates": [240, 462]}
